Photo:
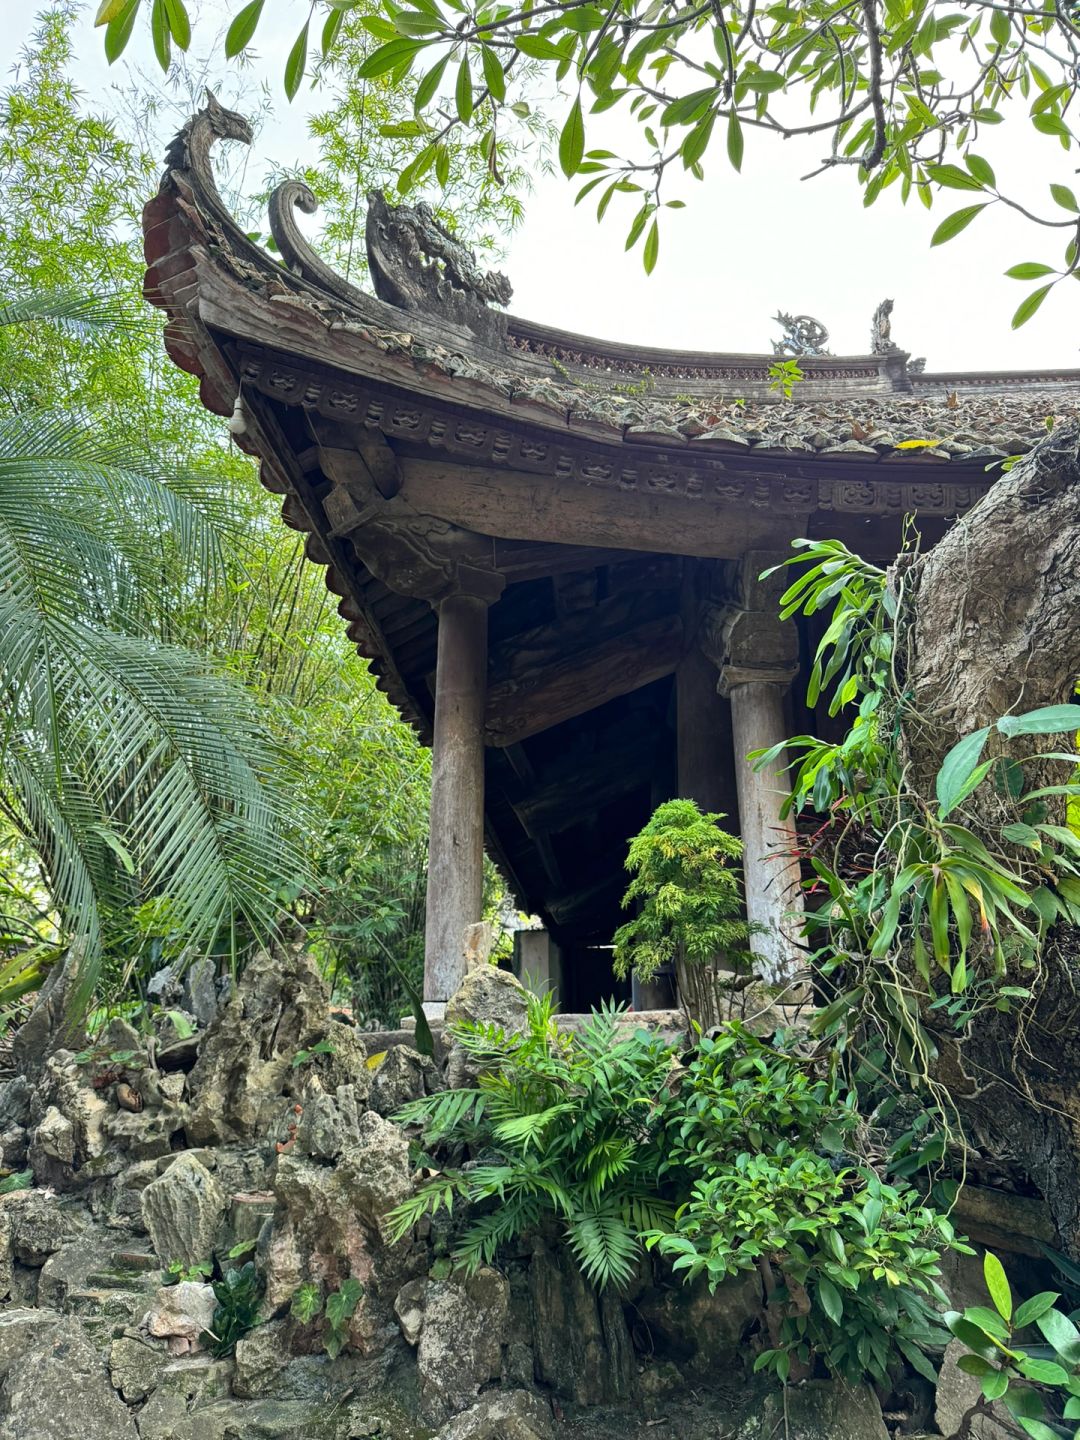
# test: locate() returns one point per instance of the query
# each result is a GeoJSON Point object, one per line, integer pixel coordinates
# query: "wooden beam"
{"type": "Point", "coordinates": [570, 685]}
{"type": "Point", "coordinates": [570, 793]}
{"type": "Point", "coordinates": [515, 505]}
{"type": "Point", "coordinates": [527, 650]}
{"type": "Point", "coordinates": [564, 909]}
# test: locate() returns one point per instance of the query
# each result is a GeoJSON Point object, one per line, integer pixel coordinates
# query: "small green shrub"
{"type": "Point", "coordinates": [340, 1308]}
{"type": "Point", "coordinates": [177, 1271]}
{"type": "Point", "coordinates": [691, 900]}
{"type": "Point", "coordinates": [571, 1130]}
{"type": "Point", "coordinates": [1031, 1380]}
{"type": "Point", "coordinates": [237, 1293]}
{"type": "Point", "coordinates": [306, 1303]}
{"type": "Point", "coordinates": [771, 1149]}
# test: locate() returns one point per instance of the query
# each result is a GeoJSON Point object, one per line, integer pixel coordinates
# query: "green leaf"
{"type": "Point", "coordinates": [954, 223]}
{"type": "Point", "coordinates": [160, 34]}
{"type": "Point", "coordinates": [1062, 1334]}
{"type": "Point", "coordinates": [652, 247]}
{"type": "Point", "coordinates": [425, 91]}
{"type": "Point", "coordinates": [296, 64]}
{"type": "Point", "coordinates": [1065, 198]}
{"type": "Point", "coordinates": [830, 1300]}
{"type": "Point", "coordinates": [179, 24]}
{"type": "Point", "coordinates": [494, 77]}
{"type": "Point", "coordinates": [981, 169]}
{"type": "Point", "coordinates": [975, 1365]}
{"type": "Point", "coordinates": [395, 53]}
{"type": "Point", "coordinates": [955, 779]}
{"type": "Point", "coordinates": [242, 29]}
{"type": "Point", "coordinates": [997, 1285]}
{"type": "Point", "coordinates": [463, 91]}
{"type": "Point", "coordinates": [1027, 308]}
{"type": "Point", "coordinates": [735, 140]}
{"type": "Point", "coordinates": [952, 177]}
{"type": "Point", "coordinates": [572, 140]}
{"type": "Point", "coordinates": [1031, 1309]}
{"type": "Point", "coordinates": [108, 11]}
{"type": "Point", "coordinates": [1047, 720]}
{"type": "Point", "coordinates": [538, 48]}
{"type": "Point", "coordinates": [1029, 270]}
{"type": "Point", "coordinates": [330, 31]}
{"type": "Point", "coordinates": [995, 1384]}
{"type": "Point", "coordinates": [1037, 1430]}
{"type": "Point", "coordinates": [1042, 1372]}
{"type": "Point", "coordinates": [119, 30]}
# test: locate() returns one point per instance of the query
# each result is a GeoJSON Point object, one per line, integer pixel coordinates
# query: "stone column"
{"type": "Point", "coordinates": [758, 658]}
{"type": "Point", "coordinates": [456, 845]}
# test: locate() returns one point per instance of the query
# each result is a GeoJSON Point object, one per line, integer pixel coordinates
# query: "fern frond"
{"type": "Point", "coordinates": [603, 1245]}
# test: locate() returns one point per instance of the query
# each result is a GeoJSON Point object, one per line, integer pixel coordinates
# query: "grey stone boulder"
{"type": "Point", "coordinates": [135, 1367]}
{"type": "Point", "coordinates": [57, 1389]}
{"type": "Point", "coordinates": [68, 1270]}
{"type": "Point", "coordinates": [698, 1328]}
{"type": "Point", "coordinates": [502, 1415]}
{"type": "Point", "coordinates": [180, 1314]}
{"type": "Point", "coordinates": [958, 1392]}
{"type": "Point", "coordinates": [464, 1328]}
{"type": "Point", "coordinates": [183, 1210]}
{"type": "Point", "coordinates": [34, 1224]}
{"type": "Point", "coordinates": [329, 1123]}
{"type": "Point", "coordinates": [486, 996]}
{"type": "Point", "coordinates": [581, 1344]}
{"type": "Point", "coordinates": [818, 1410]}
{"type": "Point", "coordinates": [409, 1306]}
{"type": "Point", "coordinates": [261, 1357]}
{"type": "Point", "coordinates": [402, 1075]}
{"type": "Point", "coordinates": [279, 1010]}
{"type": "Point", "coordinates": [67, 1146]}
{"type": "Point", "coordinates": [201, 990]}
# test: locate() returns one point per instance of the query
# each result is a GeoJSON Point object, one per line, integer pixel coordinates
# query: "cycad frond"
{"type": "Point", "coordinates": [71, 306]}
{"type": "Point", "coordinates": [604, 1245]}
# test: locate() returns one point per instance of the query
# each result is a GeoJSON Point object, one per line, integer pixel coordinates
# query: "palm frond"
{"type": "Point", "coordinates": [74, 307]}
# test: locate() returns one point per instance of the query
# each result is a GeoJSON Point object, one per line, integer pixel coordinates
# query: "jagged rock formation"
{"type": "Point", "coordinates": [269, 1136]}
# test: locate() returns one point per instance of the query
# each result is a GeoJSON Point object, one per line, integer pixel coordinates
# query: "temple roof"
{"type": "Point", "coordinates": [425, 440]}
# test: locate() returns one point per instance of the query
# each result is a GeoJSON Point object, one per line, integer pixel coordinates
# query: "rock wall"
{"type": "Point", "coordinates": [264, 1138]}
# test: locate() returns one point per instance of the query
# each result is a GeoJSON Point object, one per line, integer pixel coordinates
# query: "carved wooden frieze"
{"type": "Point", "coordinates": [617, 467]}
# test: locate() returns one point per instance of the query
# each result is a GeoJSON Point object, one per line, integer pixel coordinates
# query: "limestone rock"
{"type": "Point", "coordinates": [464, 1329]}
{"type": "Point", "coordinates": [279, 1009]}
{"type": "Point", "coordinates": [200, 990]}
{"type": "Point", "coordinates": [182, 1211]}
{"type": "Point", "coordinates": [957, 1392]}
{"type": "Point", "coordinates": [57, 1389]}
{"type": "Point", "coordinates": [37, 1224]}
{"type": "Point", "coordinates": [261, 1356]}
{"type": "Point", "coordinates": [67, 1145]}
{"type": "Point", "coordinates": [134, 1367]}
{"type": "Point", "coordinates": [147, 1134]}
{"type": "Point", "coordinates": [403, 1075]}
{"type": "Point", "coordinates": [818, 1410]}
{"type": "Point", "coordinates": [409, 1308]}
{"type": "Point", "coordinates": [487, 996]}
{"type": "Point", "coordinates": [698, 1327]}
{"type": "Point", "coordinates": [68, 1269]}
{"type": "Point", "coordinates": [581, 1345]}
{"type": "Point", "coordinates": [329, 1122]}
{"type": "Point", "coordinates": [15, 1102]}
{"type": "Point", "coordinates": [502, 1415]}
{"type": "Point", "coordinates": [180, 1314]}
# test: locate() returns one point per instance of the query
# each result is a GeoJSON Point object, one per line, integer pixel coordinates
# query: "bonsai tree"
{"type": "Point", "coordinates": [691, 909]}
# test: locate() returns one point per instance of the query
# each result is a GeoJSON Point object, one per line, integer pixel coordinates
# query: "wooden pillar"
{"type": "Point", "coordinates": [703, 731]}
{"type": "Point", "coordinates": [758, 657]}
{"type": "Point", "coordinates": [770, 868]}
{"type": "Point", "coordinates": [456, 846]}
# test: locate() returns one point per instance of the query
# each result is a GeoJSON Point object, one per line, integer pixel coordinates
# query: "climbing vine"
{"type": "Point", "coordinates": [924, 904]}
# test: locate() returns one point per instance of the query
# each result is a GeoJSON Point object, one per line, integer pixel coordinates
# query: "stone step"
{"type": "Point", "coordinates": [123, 1280]}
{"type": "Point", "coordinates": [106, 1312]}
{"type": "Point", "coordinates": [136, 1261]}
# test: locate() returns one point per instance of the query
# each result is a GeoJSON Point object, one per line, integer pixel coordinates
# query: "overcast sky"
{"type": "Point", "coordinates": [745, 246]}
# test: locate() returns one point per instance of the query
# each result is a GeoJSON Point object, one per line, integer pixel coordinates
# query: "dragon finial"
{"type": "Point", "coordinates": [803, 335]}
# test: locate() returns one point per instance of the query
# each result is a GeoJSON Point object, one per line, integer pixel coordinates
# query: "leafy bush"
{"type": "Point", "coordinates": [690, 893]}
{"type": "Point", "coordinates": [757, 1145]}
{"type": "Point", "coordinates": [569, 1128]}
{"type": "Point", "coordinates": [770, 1146]}
{"type": "Point", "coordinates": [237, 1293]}
{"type": "Point", "coordinates": [1018, 1374]}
